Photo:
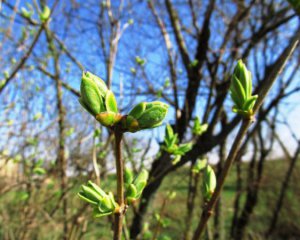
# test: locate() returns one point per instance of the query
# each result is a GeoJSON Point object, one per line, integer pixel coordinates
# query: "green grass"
{"type": "Point", "coordinates": [274, 172]}
{"type": "Point", "coordinates": [14, 213]}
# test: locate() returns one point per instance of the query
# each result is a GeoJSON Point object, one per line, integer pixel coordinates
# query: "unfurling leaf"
{"type": "Point", "coordinates": [199, 165]}
{"type": "Point", "coordinates": [45, 14]}
{"type": "Point", "coordinates": [98, 100]}
{"type": "Point", "coordinates": [145, 115]}
{"type": "Point", "coordinates": [209, 182]}
{"type": "Point", "coordinates": [135, 188]}
{"type": "Point", "coordinates": [104, 204]}
{"type": "Point", "coordinates": [241, 90]}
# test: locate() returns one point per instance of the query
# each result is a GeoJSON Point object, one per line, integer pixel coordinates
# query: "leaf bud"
{"type": "Point", "coordinates": [209, 182]}
{"type": "Point", "coordinates": [241, 90]}
{"type": "Point", "coordinates": [145, 115]}
{"type": "Point", "coordinates": [98, 100]}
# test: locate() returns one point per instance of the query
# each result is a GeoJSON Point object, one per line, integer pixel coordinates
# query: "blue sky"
{"type": "Point", "coordinates": [140, 39]}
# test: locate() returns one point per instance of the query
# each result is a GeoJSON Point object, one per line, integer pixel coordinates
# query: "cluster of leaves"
{"type": "Point", "coordinates": [104, 204]}
{"type": "Point", "coordinates": [140, 61]}
{"type": "Point", "coordinates": [134, 186]}
{"type": "Point", "coordinates": [29, 12]}
{"type": "Point", "coordinates": [171, 145]}
{"type": "Point", "coordinates": [198, 128]}
{"type": "Point", "coordinates": [38, 167]}
{"type": "Point", "coordinates": [101, 103]}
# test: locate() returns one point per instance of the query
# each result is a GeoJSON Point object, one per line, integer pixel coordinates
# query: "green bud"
{"type": "Point", "coordinates": [170, 140]}
{"type": "Point", "coordinates": [128, 176]}
{"type": "Point", "coordinates": [97, 132]}
{"type": "Point", "coordinates": [194, 63]}
{"type": "Point", "coordinates": [130, 21]}
{"type": "Point", "coordinates": [140, 182]}
{"type": "Point", "coordinates": [145, 115]}
{"type": "Point", "coordinates": [176, 159]}
{"type": "Point", "coordinates": [98, 81]}
{"type": "Point", "coordinates": [241, 73]}
{"type": "Point", "coordinates": [131, 193]}
{"type": "Point", "coordinates": [140, 61]}
{"type": "Point", "coordinates": [209, 182]}
{"type": "Point", "coordinates": [241, 90]}
{"type": "Point", "coordinates": [138, 110]}
{"type": "Point", "coordinates": [133, 70]}
{"type": "Point", "coordinates": [172, 195]}
{"type": "Point", "coordinates": [183, 149]}
{"type": "Point", "coordinates": [6, 74]}
{"type": "Point", "coordinates": [98, 100]}
{"type": "Point", "coordinates": [45, 14]}
{"type": "Point", "coordinates": [26, 13]}
{"type": "Point", "coordinates": [198, 128]}
{"type": "Point", "coordinates": [91, 97]}
{"type": "Point", "coordinates": [104, 204]}
{"type": "Point", "coordinates": [110, 102]}
{"type": "Point", "coordinates": [89, 195]}
{"type": "Point", "coordinates": [96, 188]}
{"type": "Point", "coordinates": [39, 171]}
{"type": "Point", "coordinates": [199, 165]}
{"type": "Point", "coordinates": [153, 115]}
{"type": "Point", "coordinates": [169, 131]}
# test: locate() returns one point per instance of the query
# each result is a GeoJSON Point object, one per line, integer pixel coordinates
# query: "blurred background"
{"type": "Point", "coordinates": [181, 52]}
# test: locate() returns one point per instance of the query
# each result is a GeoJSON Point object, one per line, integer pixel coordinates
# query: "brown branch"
{"type": "Point", "coordinates": [61, 156]}
{"type": "Point", "coordinates": [262, 32]}
{"type": "Point", "coordinates": [120, 186]}
{"type": "Point", "coordinates": [274, 72]}
{"type": "Point", "coordinates": [190, 205]}
{"type": "Point", "coordinates": [23, 59]}
{"type": "Point", "coordinates": [169, 47]}
{"type": "Point", "coordinates": [178, 36]}
{"type": "Point", "coordinates": [65, 85]}
{"type": "Point", "coordinates": [68, 53]}
{"type": "Point", "coordinates": [194, 72]}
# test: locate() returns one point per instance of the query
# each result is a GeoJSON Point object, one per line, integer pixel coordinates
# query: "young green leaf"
{"type": "Point", "coordinates": [91, 97]}
{"type": "Point", "coordinates": [209, 182]}
{"type": "Point", "coordinates": [138, 110]}
{"type": "Point", "coordinates": [45, 14]}
{"type": "Point", "coordinates": [128, 176]}
{"type": "Point", "coordinates": [152, 116]}
{"type": "Point", "coordinates": [131, 191]}
{"type": "Point", "coordinates": [110, 102]}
